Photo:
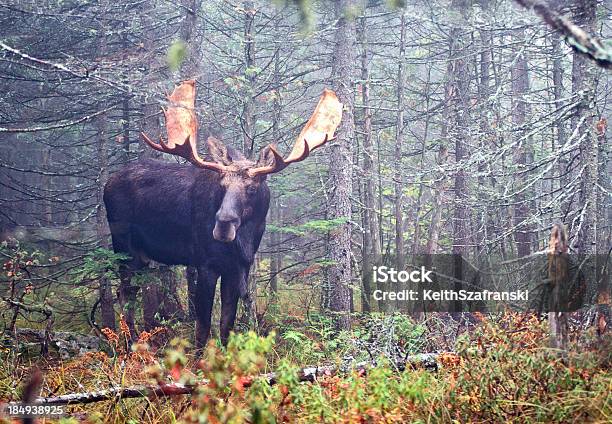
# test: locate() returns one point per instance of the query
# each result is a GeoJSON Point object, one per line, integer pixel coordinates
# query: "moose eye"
{"type": "Point", "coordinates": [251, 190]}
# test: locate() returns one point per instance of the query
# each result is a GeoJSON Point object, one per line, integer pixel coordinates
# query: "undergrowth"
{"type": "Point", "coordinates": [501, 372]}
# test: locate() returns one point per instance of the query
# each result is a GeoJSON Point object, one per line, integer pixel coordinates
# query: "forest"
{"type": "Point", "coordinates": [391, 136]}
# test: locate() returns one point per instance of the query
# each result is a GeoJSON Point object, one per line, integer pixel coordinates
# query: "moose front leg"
{"type": "Point", "coordinates": [204, 300]}
{"type": "Point", "coordinates": [231, 285]}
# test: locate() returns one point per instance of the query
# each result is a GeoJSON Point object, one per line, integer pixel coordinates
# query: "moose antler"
{"type": "Point", "coordinates": [319, 130]}
{"type": "Point", "coordinates": [182, 127]}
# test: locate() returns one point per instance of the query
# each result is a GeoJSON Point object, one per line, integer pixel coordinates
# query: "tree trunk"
{"type": "Point", "coordinates": [341, 167]}
{"type": "Point", "coordinates": [188, 35]}
{"type": "Point", "coordinates": [399, 135]}
{"type": "Point", "coordinates": [160, 300]}
{"type": "Point", "coordinates": [520, 110]}
{"type": "Point", "coordinates": [458, 80]}
{"type": "Point", "coordinates": [191, 275]}
{"type": "Point", "coordinates": [47, 205]}
{"type": "Point", "coordinates": [171, 305]}
{"type": "Point", "coordinates": [416, 240]}
{"type": "Point", "coordinates": [275, 210]}
{"type": "Point", "coordinates": [275, 247]}
{"type": "Point", "coordinates": [248, 112]}
{"type": "Point", "coordinates": [371, 239]}
{"type": "Point", "coordinates": [151, 302]}
{"type": "Point", "coordinates": [557, 77]}
{"type": "Point", "coordinates": [107, 302]}
{"type": "Point", "coordinates": [125, 122]}
{"type": "Point", "coordinates": [583, 82]}
{"type": "Point", "coordinates": [437, 202]}
{"type": "Point", "coordinates": [487, 138]}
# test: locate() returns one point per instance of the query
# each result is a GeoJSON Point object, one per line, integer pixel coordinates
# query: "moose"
{"type": "Point", "coordinates": [210, 214]}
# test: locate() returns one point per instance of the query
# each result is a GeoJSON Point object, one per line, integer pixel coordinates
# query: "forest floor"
{"type": "Point", "coordinates": [499, 371]}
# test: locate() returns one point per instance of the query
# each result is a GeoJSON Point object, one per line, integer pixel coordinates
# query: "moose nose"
{"type": "Point", "coordinates": [226, 226]}
{"type": "Point", "coordinates": [227, 217]}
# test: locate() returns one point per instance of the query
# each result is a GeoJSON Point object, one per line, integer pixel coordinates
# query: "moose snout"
{"type": "Point", "coordinates": [229, 217]}
{"type": "Point", "coordinates": [226, 225]}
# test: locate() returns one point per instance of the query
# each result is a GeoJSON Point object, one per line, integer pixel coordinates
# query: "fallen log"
{"type": "Point", "coordinates": [67, 344]}
{"type": "Point", "coordinates": [117, 393]}
{"type": "Point", "coordinates": [428, 361]}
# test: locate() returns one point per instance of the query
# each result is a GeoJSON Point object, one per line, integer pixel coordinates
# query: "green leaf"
{"type": "Point", "coordinates": [176, 54]}
{"type": "Point", "coordinates": [294, 336]}
{"type": "Point", "coordinates": [314, 226]}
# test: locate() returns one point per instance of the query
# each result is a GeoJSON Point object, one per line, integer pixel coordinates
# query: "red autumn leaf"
{"type": "Point", "coordinates": [175, 372]}
{"type": "Point", "coordinates": [242, 382]}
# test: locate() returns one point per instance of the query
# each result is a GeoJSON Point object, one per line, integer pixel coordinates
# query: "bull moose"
{"type": "Point", "coordinates": [210, 214]}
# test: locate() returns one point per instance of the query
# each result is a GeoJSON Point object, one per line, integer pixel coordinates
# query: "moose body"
{"type": "Point", "coordinates": [167, 212]}
{"type": "Point", "coordinates": [209, 214]}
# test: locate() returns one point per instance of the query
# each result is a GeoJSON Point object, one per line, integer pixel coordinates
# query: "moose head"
{"type": "Point", "coordinates": [238, 176]}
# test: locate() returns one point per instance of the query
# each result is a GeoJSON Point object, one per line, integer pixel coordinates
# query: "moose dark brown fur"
{"type": "Point", "coordinates": [211, 215]}
{"type": "Point", "coordinates": [169, 213]}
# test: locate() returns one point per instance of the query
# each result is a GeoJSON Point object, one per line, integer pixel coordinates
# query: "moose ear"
{"type": "Point", "coordinates": [218, 151]}
{"type": "Point", "coordinates": [266, 157]}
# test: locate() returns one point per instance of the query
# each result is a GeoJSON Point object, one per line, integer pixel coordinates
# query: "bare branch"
{"type": "Point", "coordinates": [56, 126]}
{"type": "Point", "coordinates": [579, 40]}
